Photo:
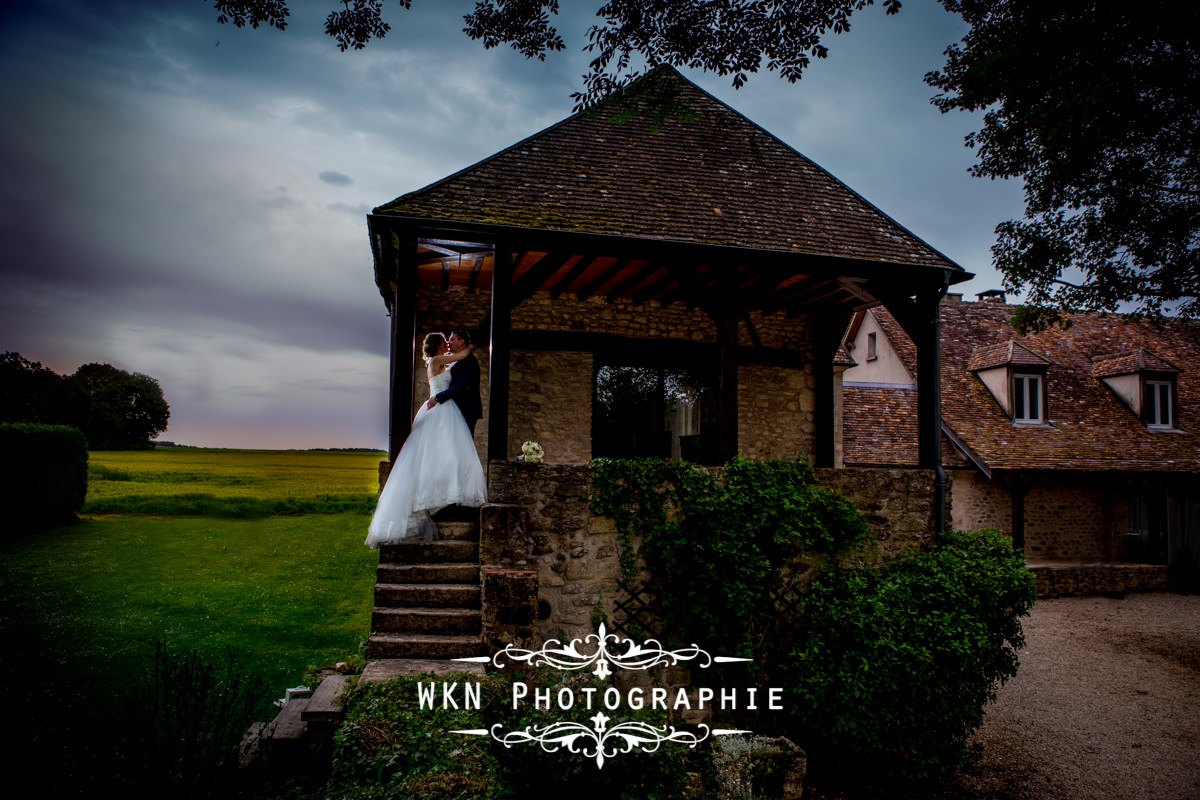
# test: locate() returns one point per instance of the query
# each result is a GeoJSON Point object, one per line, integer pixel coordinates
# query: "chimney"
{"type": "Point", "coordinates": [953, 298]}
{"type": "Point", "coordinates": [991, 296]}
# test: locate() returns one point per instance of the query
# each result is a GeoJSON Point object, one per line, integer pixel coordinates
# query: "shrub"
{"type": "Point", "coordinates": [894, 664]}
{"type": "Point", "coordinates": [43, 472]}
{"type": "Point", "coordinates": [389, 747]}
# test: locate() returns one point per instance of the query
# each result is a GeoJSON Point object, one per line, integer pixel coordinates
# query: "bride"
{"type": "Point", "coordinates": [437, 465]}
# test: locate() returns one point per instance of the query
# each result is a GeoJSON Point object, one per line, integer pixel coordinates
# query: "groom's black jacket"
{"type": "Point", "coordinates": [464, 390]}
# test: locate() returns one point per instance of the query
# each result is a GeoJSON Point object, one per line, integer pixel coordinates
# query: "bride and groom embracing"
{"type": "Point", "coordinates": [438, 465]}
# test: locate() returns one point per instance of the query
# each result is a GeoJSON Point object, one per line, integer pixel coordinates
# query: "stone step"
{"type": "Point", "coordinates": [427, 595]}
{"type": "Point", "coordinates": [385, 669]}
{"type": "Point", "coordinates": [458, 531]}
{"type": "Point", "coordinates": [439, 552]}
{"type": "Point", "coordinates": [426, 620]}
{"type": "Point", "coordinates": [456, 513]}
{"type": "Point", "coordinates": [422, 646]}
{"type": "Point", "coordinates": [427, 573]}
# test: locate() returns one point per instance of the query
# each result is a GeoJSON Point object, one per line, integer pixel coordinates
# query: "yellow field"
{"type": "Point", "coordinates": [194, 481]}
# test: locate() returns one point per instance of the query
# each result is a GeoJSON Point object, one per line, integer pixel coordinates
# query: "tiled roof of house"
{"type": "Point", "coordinates": [1088, 426]}
{"type": "Point", "coordinates": [1139, 360]}
{"type": "Point", "coordinates": [717, 179]}
{"type": "Point", "coordinates": [884, 422]}
{"type": "Point", "coordinates": [999, 355]}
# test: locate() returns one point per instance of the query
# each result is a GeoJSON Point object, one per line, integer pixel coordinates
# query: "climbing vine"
{"type": "Point", "coordinates": [715, 547]}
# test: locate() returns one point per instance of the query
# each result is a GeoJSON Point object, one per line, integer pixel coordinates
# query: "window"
{"type": "Point", "coordinates": [871, 353]}
{"type": "Point", "coordinates": [1158, 404]}
{"type": "Point", "coordinates": [652, 412]}
{"type": "Point", "coordinates": [1027, 398]}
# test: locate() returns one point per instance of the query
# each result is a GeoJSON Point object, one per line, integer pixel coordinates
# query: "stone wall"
{"type": "Point", "coordinates": [897, 503]}
{"type": "Point", "coordinates": [1073, 580]}
{"type": "Point", "coordinates": [1072, 517]}
{"type": "Point", "coordinates": [576, 553]}
{"type": "Point", "coordinates": [550, 395]}
{"type": "Point", "coordinates": [550, 402]}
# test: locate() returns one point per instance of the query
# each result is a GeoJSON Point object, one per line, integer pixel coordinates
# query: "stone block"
{"type": "Point", "coordinates": [504, 535]}
{"type": "Point", "coordinates": [510, 605]}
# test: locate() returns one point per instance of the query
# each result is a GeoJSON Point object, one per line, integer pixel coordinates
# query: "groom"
{"type": "Point", "coordinates": [464, 382]}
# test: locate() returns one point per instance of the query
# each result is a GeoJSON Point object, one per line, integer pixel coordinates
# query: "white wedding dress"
{"type": "Point", "coordinates": [438, 466]}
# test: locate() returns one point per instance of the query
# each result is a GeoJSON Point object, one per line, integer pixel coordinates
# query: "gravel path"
{"type": "Point", "coordinates": [1105, 706]}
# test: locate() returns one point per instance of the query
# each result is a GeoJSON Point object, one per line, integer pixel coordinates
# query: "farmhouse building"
{"type": "Point", "coordinates": [1082, 444]}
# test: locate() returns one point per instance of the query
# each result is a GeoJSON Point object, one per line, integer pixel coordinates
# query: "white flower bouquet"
{"type": "Point", "coordinates": [533, 452]}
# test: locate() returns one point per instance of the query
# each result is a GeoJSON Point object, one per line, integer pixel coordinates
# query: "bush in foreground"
{"type": "Point", "coordinates": [895, 664]}
{"type": "Point", "coordinates": [43, 472]}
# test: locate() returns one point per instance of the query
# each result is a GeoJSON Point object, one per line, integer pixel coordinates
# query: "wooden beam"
{"type": "Point", "coordinates": [500, 354]}
{"type": "Point", "coordinates": [621, 288]}
{"type": "Point", "coordinates": [800, 294]}
{"type": "Point", "coordinates": [830, 323]}
{"type": "Point", "coordinates": [606, 276]}
{"type": "Point", "coordinates": [654, 289]}
{"type": "Point", "coordinates": [844, 302]}
{"type": "Point", "coordinates": [564, 285]}
{"type": "Point", "coordinates": [726, 318]}
{"type": "Point", "coordinates": [402, 384]}
{"type": "Point", "coordinates": [535, 276]}
{"type": "Point", "coordinates": [473, 283]}
{"type": "Point", "coordinates": [544, 240]}
{"type": "Point", "coordinates": [697, 291]}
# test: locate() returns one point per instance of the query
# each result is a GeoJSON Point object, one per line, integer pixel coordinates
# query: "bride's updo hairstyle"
{"type": "Point", "coordinates": [433, 343]}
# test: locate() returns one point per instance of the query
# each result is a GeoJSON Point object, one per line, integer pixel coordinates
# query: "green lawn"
{"type": "Point", "coordinates": [80, 604]}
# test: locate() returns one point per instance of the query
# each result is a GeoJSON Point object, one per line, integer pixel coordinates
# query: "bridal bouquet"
{"type": "Point", "coordinates": [533, 452]}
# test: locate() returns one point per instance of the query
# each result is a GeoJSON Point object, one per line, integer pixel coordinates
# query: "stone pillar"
{"type": "Point", "coordinates": [510, 598]}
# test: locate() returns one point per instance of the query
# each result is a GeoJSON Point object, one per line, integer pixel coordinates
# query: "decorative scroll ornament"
{"type": "Point", "coordinates": [599, 741]}
{"type": "Point", "coordinates": [636, 656]}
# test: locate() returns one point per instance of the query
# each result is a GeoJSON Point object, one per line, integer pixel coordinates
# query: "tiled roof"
{"type": "Point", "coordinates": [884, 422]}
{"type": "Point", "coordinates": [842, 357]}
{"type": "Point", "coordinates": [1089, 427]}
{"type": "Point", "coordinates": [999, 355]}
{"type": "Point", "coordinates": [717, 179]}
{"type": "Point", "coordinates": [1139, 360]}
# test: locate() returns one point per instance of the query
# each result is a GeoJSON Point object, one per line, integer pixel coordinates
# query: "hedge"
{"type": "Point", "coordinates": [43, 473]}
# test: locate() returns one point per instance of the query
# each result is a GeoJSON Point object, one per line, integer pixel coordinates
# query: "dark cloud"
{"type": "Point", "coordinates": [336, 178]}
{"type": "Point", "coordinates": [160, 212]}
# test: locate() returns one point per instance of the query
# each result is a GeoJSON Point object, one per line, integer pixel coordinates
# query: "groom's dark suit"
{"type": "Point", "coordinates": [464, 390]}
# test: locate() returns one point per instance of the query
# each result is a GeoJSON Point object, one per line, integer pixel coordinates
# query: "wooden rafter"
{"type": "Point", "coordinates": [621, 289]}
{"type": "Point", "coordinates": [606, 276]}
{"type": "Point", "coordinates": [564, 285]}
{"type": "Point", "coordinates": [473, 283]}
{"type": "Point", "coordinates": [535, 276]}
{"type": "Point", "coordinates": [654, 289]}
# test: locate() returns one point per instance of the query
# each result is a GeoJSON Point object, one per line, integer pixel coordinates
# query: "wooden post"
{"type": "Point", "coordinates": [404, 344]}
{"type": "Point", "coordinates": [921, 320]}
{"type": "Point", "coordinates": [726, 317]}
{"type": "Point", "coordinates": [830, 325]}
{"type": "Point", "coordinates": [500, 339]}
{"type": "Point", "coordinates": [929, 396]}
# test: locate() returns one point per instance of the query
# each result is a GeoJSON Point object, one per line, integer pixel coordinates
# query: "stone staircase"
{"type": "Point", "coordinates": [427, 594]}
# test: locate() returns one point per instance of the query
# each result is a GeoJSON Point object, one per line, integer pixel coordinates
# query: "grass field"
{"type": "Point", "coordinates": [80, 604]}
{"type": "Point", "coordinates": [231, 483]}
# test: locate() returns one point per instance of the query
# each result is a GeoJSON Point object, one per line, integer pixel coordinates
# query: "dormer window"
{"type": "Point", "coordinates": [1144, 382]}
{"type": "Point", "coordinates": [1016, 377]}
{"type": "Point", "coordinates": [1027, 398]}
{"type": "Point", "coordinates": [1158, 408]}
